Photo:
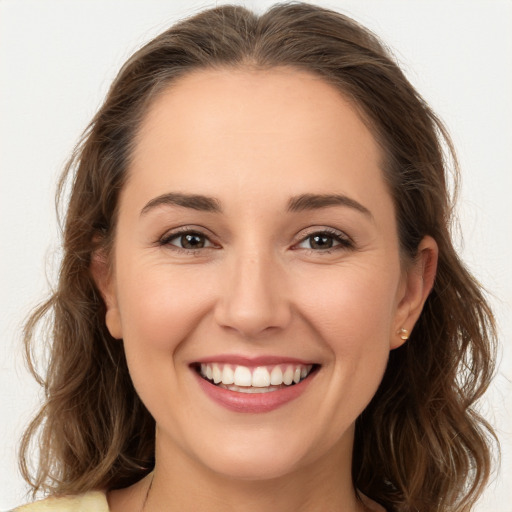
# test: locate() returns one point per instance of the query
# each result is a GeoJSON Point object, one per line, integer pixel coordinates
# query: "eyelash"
{"type": "Point", "coordinates": [180, 233]}
{"type": "Point", "coordinates": [342, 240]}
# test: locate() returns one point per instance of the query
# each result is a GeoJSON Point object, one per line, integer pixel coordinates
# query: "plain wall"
{"type": "Point", "coordinates": [57, 59]}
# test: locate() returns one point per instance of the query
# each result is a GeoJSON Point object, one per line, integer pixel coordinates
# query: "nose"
{"type": "Point", "coordinates": [253, 301]}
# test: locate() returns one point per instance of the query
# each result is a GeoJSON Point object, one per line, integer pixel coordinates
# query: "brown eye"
{"type": "Point", "coordinates": [325, 240]}
{"type": "Point", "coordinates": [189, 241]}
{"type": "Point", "coordinates": [192, 241]}
{"type": "Point", "coordinates": [321, 241]}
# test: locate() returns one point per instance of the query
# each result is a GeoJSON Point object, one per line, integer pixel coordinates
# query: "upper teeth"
{"type": "Point", "coordinates": [259, 376]}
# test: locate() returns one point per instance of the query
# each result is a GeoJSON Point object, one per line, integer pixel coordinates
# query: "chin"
{"type": "Point", "coordinates": [266, 456]}
{"type": "Point", "coordinates": [254, 467]}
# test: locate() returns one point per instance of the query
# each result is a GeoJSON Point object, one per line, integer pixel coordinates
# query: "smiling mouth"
{"type": "Point", "coordinates": [258, 379]}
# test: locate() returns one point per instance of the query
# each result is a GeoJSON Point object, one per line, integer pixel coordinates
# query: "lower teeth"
{"type": "Point", "coordinates": [250, 389]}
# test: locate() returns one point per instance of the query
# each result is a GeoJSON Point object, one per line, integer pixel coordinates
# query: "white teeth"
{"type": "Point", "coordinates": [288, 375]}
{"type": "Point", "coordinates": [250, 389]}
{"type": "Point", "coordinates": [256, 380]}
{"type": "Point", "coordinates": [216, 374]}
{"type": "Point", "coordinates": [228, 377]}
{"type": "Point", "coordinates": [260, 377]}
{"type": "Point", "coordinates": [276, 377]}
{"type": "Point", "coordinates": [242, 376]}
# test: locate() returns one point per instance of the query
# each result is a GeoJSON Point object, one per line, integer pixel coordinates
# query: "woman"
{"type": "Point", "coordinates": [257, 267]}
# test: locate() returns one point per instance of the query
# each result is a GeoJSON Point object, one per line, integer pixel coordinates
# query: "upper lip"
{"type": "Point", "coordinates": [240, 360]}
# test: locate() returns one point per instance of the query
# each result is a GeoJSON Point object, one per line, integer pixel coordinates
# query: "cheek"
{"type": "Point", "coordinates": [351, 307]}
{"type": "Point", "coordinates": [159, 308]}
{"type": "Point", "coordinates": [352, 312]}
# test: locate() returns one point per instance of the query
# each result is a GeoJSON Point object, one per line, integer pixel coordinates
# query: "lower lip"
{"type": "Point", "coordinates": [253, 402]}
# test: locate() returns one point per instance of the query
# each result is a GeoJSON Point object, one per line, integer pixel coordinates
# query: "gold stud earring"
{"type": "Point", "coordinates": [404, 334]}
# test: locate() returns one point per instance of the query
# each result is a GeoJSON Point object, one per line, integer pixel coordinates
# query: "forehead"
{"type": "Point", "coordinates": [255, 127]}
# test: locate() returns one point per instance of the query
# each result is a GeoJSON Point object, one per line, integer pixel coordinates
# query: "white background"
{"type": "Point", "coordinates": [57, 59]}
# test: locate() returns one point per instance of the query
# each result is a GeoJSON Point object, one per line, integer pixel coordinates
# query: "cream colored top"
{"type": "Point", "coordinates": [94, 501]}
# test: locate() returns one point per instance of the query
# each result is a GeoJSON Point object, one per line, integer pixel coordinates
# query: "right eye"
{"type": "Point", "coordinates": [189, 240]}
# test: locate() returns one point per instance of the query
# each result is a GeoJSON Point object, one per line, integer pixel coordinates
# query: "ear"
{"type": "Point", "coordinates": [103, 277]}
{"type": "Point", "coordinates": [418, 281]}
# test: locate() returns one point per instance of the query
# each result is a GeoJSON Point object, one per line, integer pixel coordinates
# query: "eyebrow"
{"type": "Point", "coordinates": [193, 201]}
{"type": "Point", "coordinates": [299, 203]}
{"type": "Point", "coordinates": [317, 201]}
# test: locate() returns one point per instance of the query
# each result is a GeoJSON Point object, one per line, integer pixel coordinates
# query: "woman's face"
{"type": "Point", "coordinates": [257, 244]}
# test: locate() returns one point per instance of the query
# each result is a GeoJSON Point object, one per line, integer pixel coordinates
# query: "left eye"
{"type": "Point", "coordinates": [322, 241]}
{"type": "Point", "coordinates": [189, 240]}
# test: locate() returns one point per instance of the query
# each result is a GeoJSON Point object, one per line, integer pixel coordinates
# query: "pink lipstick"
{"type": "Point", "coordinates": [253, 385]}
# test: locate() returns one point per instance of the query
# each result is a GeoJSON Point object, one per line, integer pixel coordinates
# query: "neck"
{"type": "Point", "coordinates": [183, 483]}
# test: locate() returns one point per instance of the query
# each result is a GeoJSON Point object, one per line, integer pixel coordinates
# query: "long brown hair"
{"type": "Point", "coordinates": [420, 444]}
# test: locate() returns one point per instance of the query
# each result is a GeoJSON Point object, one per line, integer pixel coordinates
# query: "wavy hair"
{"type": "Point", "coordinates": [419, 444]}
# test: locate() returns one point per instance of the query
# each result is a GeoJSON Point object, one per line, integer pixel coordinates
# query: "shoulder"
{"type": "Point", "coordinates": [94, 501]}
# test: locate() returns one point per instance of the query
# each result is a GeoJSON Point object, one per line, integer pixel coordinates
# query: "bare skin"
{"type": "Point", "coordinates": [271, 273]}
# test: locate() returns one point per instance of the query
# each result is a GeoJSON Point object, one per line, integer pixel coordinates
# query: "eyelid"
{"type": "Point", "coordinates": [344, 241]}
{"type": "Point", "coordinates": [171, 234]}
